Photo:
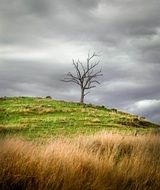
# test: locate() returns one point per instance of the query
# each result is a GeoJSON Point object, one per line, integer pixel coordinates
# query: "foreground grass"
{"type": "Point", "coordinates": [44, 118]}
{"type": "Point", "coordinates": [99, 162]}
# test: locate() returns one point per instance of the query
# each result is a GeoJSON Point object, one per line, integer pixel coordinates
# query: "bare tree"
{"type": "Point", "coordinates": [85, 74]}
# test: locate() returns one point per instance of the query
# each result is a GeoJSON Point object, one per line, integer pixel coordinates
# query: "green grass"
{"type": "Point", "coordinates": [45, 118]}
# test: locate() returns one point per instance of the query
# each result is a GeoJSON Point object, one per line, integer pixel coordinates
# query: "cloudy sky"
{"type": "Point", "coordinates": [39, 39]}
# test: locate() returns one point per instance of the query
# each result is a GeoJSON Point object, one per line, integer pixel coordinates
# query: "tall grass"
{"type": "Point", "coordinates": [100, 162]}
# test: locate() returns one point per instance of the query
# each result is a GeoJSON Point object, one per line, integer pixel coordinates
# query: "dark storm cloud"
{"type": "Point", "coordinates": [38, 40]}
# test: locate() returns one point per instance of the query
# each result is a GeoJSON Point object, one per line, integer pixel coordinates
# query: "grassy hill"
{"type": "Point", "coordinates": [100, 161]}
{"type": "Point", "coordinates": [43, 118]}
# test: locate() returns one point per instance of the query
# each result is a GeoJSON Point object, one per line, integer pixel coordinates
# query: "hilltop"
{"type": "Point", "coordinates": [41, 117]}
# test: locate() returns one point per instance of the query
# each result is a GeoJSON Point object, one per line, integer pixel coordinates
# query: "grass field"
{"type": "Point", "coordinates": [46, 118]}
{"type": "Point", "coordinates": [99, 162]}
{"type": "Point", "coordinates": [55, 145]}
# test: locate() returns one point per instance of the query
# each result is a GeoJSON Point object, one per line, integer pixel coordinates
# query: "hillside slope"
{"type": "Point", "coordinates": [40, 117]}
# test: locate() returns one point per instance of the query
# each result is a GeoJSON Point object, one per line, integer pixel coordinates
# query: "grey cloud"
{"type": "Point", "coordinates": [61, 18]}
{"type": "Point", "coordinates": [126, 33]}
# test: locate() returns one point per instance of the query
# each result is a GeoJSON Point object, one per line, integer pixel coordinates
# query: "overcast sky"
{"type": "Point", "coordinates": [39, 39]}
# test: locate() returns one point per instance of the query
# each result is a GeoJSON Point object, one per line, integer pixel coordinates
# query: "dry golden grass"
{"type": "Point", "coordinates": [100, 162]}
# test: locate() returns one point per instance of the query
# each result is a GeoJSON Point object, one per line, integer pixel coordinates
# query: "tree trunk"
{"type": "Point", "coordinates": [82, 96]}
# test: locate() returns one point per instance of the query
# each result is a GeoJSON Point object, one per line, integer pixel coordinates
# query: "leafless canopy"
{"type": "Point", "coordinates": [85, 74]}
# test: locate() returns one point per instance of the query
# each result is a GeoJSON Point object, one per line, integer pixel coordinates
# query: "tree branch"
{"type": "Point", "coordinates": [86, 74]}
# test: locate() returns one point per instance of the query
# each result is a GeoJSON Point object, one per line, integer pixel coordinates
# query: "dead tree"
{"type": "Point", "coordinates": [85, 75]}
